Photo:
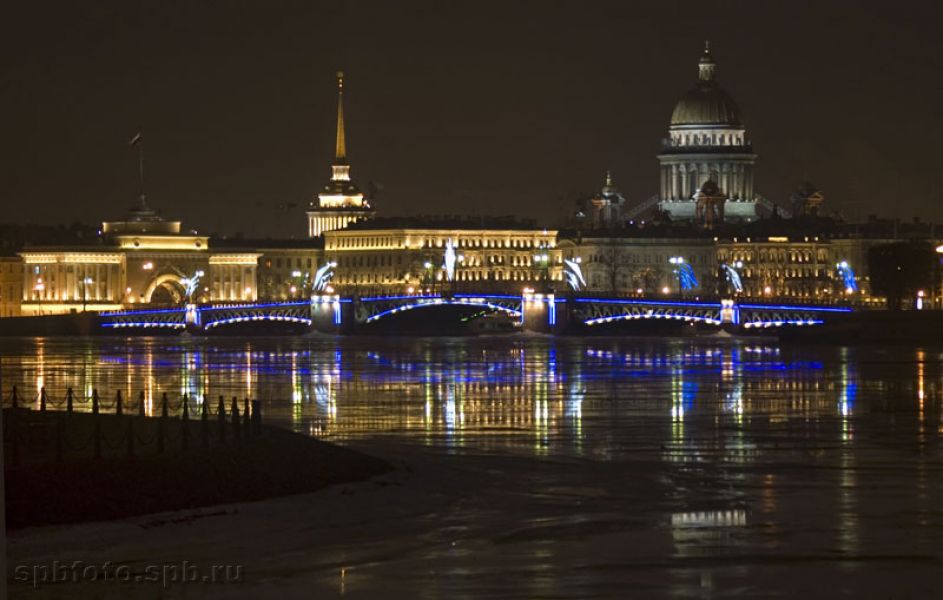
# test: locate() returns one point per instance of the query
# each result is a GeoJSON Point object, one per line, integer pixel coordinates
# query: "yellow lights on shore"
{"type": "Point", "coordinates": [666, 290]}
{"type": "Point", "coordinates": [148, 266]}
{"type": "Point", "coordinates": [767, 290]}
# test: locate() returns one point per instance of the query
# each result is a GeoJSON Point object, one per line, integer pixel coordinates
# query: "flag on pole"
{"type": "Point", "coordinates": [135, 140]}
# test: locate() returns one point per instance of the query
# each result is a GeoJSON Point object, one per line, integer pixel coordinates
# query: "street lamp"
{"type": "Point", "coordinates": [429, 277]}
{"type": "Point", "coordinates": [678, 261]}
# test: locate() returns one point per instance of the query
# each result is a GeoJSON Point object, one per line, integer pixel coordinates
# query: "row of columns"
{"type": "Point", "coordinates": [681, 181]}
{"type": "Point", "coordinates": [320, 224]}
{"type": "Point", "coordinates": [60, 285]}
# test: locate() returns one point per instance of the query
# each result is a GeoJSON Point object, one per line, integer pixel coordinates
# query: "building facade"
{"type": "Point", "coordinates": [141, 260]}
{"type": "Point", "coordinates": [802, 268]}
{"type": "Point", "coordinates": [11, 286]}
{"type": "Point", "coordinates": [636, 266]}
{"type": "Point", "coordinates": [415, 257]}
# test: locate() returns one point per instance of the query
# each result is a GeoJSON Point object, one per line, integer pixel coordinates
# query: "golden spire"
{"type": "Point", "coordinates": [340, 151]}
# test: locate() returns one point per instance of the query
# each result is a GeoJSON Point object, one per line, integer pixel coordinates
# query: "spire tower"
{"type": "Point", "coordinates": [340, 148]}
{"type": "Point", "coordinates": [340, 202]}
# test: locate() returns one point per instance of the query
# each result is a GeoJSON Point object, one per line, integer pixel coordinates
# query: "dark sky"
{"type": "Point", "coordinates": [454, 107]}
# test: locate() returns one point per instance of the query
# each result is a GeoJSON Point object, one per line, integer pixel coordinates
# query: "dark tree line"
{"type": "Point", "coordinates": [901, 269]}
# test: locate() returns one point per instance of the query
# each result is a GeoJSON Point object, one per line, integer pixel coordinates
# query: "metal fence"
{"type": "Point", "coordinates": [122, 428]}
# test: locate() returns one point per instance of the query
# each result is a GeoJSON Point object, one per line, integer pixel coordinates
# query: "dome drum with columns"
{"type": "Point", "coordinates": [707, 142]}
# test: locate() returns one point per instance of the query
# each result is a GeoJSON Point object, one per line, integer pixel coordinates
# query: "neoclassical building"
{"type": "Point", "coordinates": [707, 142]}
{"type": "Point", "coordinates": [143, 259]}
{"type": "Point", "coordinates": [403, 254]}
{"type": "Point", "coordinates": [340, 202]}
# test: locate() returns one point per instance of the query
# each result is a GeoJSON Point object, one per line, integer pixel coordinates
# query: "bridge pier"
{"type": "Point", "coordinates": [328, 314]}
{"type": "Point", "coordinates": [543, 313]}
{"type": "Point", "coordinates": [192, 319]}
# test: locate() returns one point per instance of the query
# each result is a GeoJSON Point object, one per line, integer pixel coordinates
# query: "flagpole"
{"type": "Point", "coordinates": [140, 146]}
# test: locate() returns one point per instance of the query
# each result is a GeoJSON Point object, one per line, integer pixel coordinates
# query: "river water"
{"type": "Point", "coordinates": [550, 467]}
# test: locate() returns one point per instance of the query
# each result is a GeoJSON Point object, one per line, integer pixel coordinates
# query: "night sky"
{"type": "Point", "coordinates": [454, 108]}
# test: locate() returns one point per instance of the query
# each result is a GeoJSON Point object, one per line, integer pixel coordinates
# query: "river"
{"type": "Point", "coordinates": [534, 466]}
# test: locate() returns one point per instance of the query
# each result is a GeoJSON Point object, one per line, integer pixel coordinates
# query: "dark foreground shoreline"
{"type": "Point", "coordinates": [275, 463]}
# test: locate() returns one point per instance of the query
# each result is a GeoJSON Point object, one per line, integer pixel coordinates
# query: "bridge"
{"type": "Point", "coordinates": [540, 312]}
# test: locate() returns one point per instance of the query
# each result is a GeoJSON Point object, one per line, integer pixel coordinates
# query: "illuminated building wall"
{"type": "Point", "coordinates": [287, 273]}
{"type": "Point", "coordinates": [143, 260]}
{"type": "Point", "coordinates": [804, 268]}
{"type": "Point", "coordinates": [633, 266]}
{"type": "Point", "coordinates": [11, 285]}
{"type": "Point", "coordinates": [405, 257]}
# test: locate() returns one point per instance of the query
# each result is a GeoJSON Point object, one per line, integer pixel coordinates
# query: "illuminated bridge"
{"type": "Point", "coordinates": [534, 311]}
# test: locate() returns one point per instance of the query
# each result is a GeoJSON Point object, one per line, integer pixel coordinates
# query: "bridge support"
{"type": "Point", "coordinates": [192, 318]}
{"type": "Point", "coordinates": [543, 313]}
{"type": "Point", "coordinates": [729, 312]}
{"type": "Point", "coordinates": [329, 314]}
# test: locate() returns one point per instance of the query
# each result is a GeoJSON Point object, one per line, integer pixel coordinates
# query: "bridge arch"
{"type": "Point", "coordinates": [169, 283]}
{"type": "Point", "coordinates": [439, 302]}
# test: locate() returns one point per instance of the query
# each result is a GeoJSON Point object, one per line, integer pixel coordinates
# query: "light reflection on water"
{"type": "Point", "coordinates": [733, 449]}
{"type": "Point", "coordinates": [548, 394]}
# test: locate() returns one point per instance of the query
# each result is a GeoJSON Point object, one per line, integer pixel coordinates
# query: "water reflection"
{"type": "Point", "coordinates": [543, 394]}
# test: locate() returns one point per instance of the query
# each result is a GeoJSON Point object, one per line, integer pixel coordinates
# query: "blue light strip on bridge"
{"type": "Point", "coordinates": [406, 307]}
{"type": "Point", "coordinates": [253, 306]}
{"type": "Point", "coordinates": [489, 296]}
{"type": "Point", "coordinates": [384, 298]}
{"type": "Point", "coordinates": [256, 318]}
{"type": "Point", "coordinates": [766, 324]}
{"type": "Point", "coordinates": [841, 309]}
{"type": "Point", "coordinates": [144, 324]}
{"type": "Point", "coordinates": [152, 311]}
{"type": "Point", "coordinates": [648, 302]}
{"type": "Point", "coordinates": [599, 320]}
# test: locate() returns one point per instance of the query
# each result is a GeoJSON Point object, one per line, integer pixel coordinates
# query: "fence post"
{"type": "Point", "coordinates": [234, 411]}
{"type": "Point", "coordinates": [245, 419]}
{"type": "Point", "coordinates": [221, 418]}
{"type": "Point", "coordinates": [68, 400]}
{"type": "Point", "coordinates": [204, 422]}
{"type": "Point", "coordinates": [42, 399]}
{"type": "Point", "coordinates": [95, 402]}
{"type": "Point", "coordinates": [256, 418]}
{"type": "Point", "coordinates": [161, 423]}
{"type": "Point", "coordinates": [141, 404]}
{"type": "Point", "coordinates": [185, 423]}
{"type": "Point", "coordinates": [118, 409]}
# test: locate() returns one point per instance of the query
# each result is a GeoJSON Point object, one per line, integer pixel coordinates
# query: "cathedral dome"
{"type": "Point", "coordinates": [706, 105]}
